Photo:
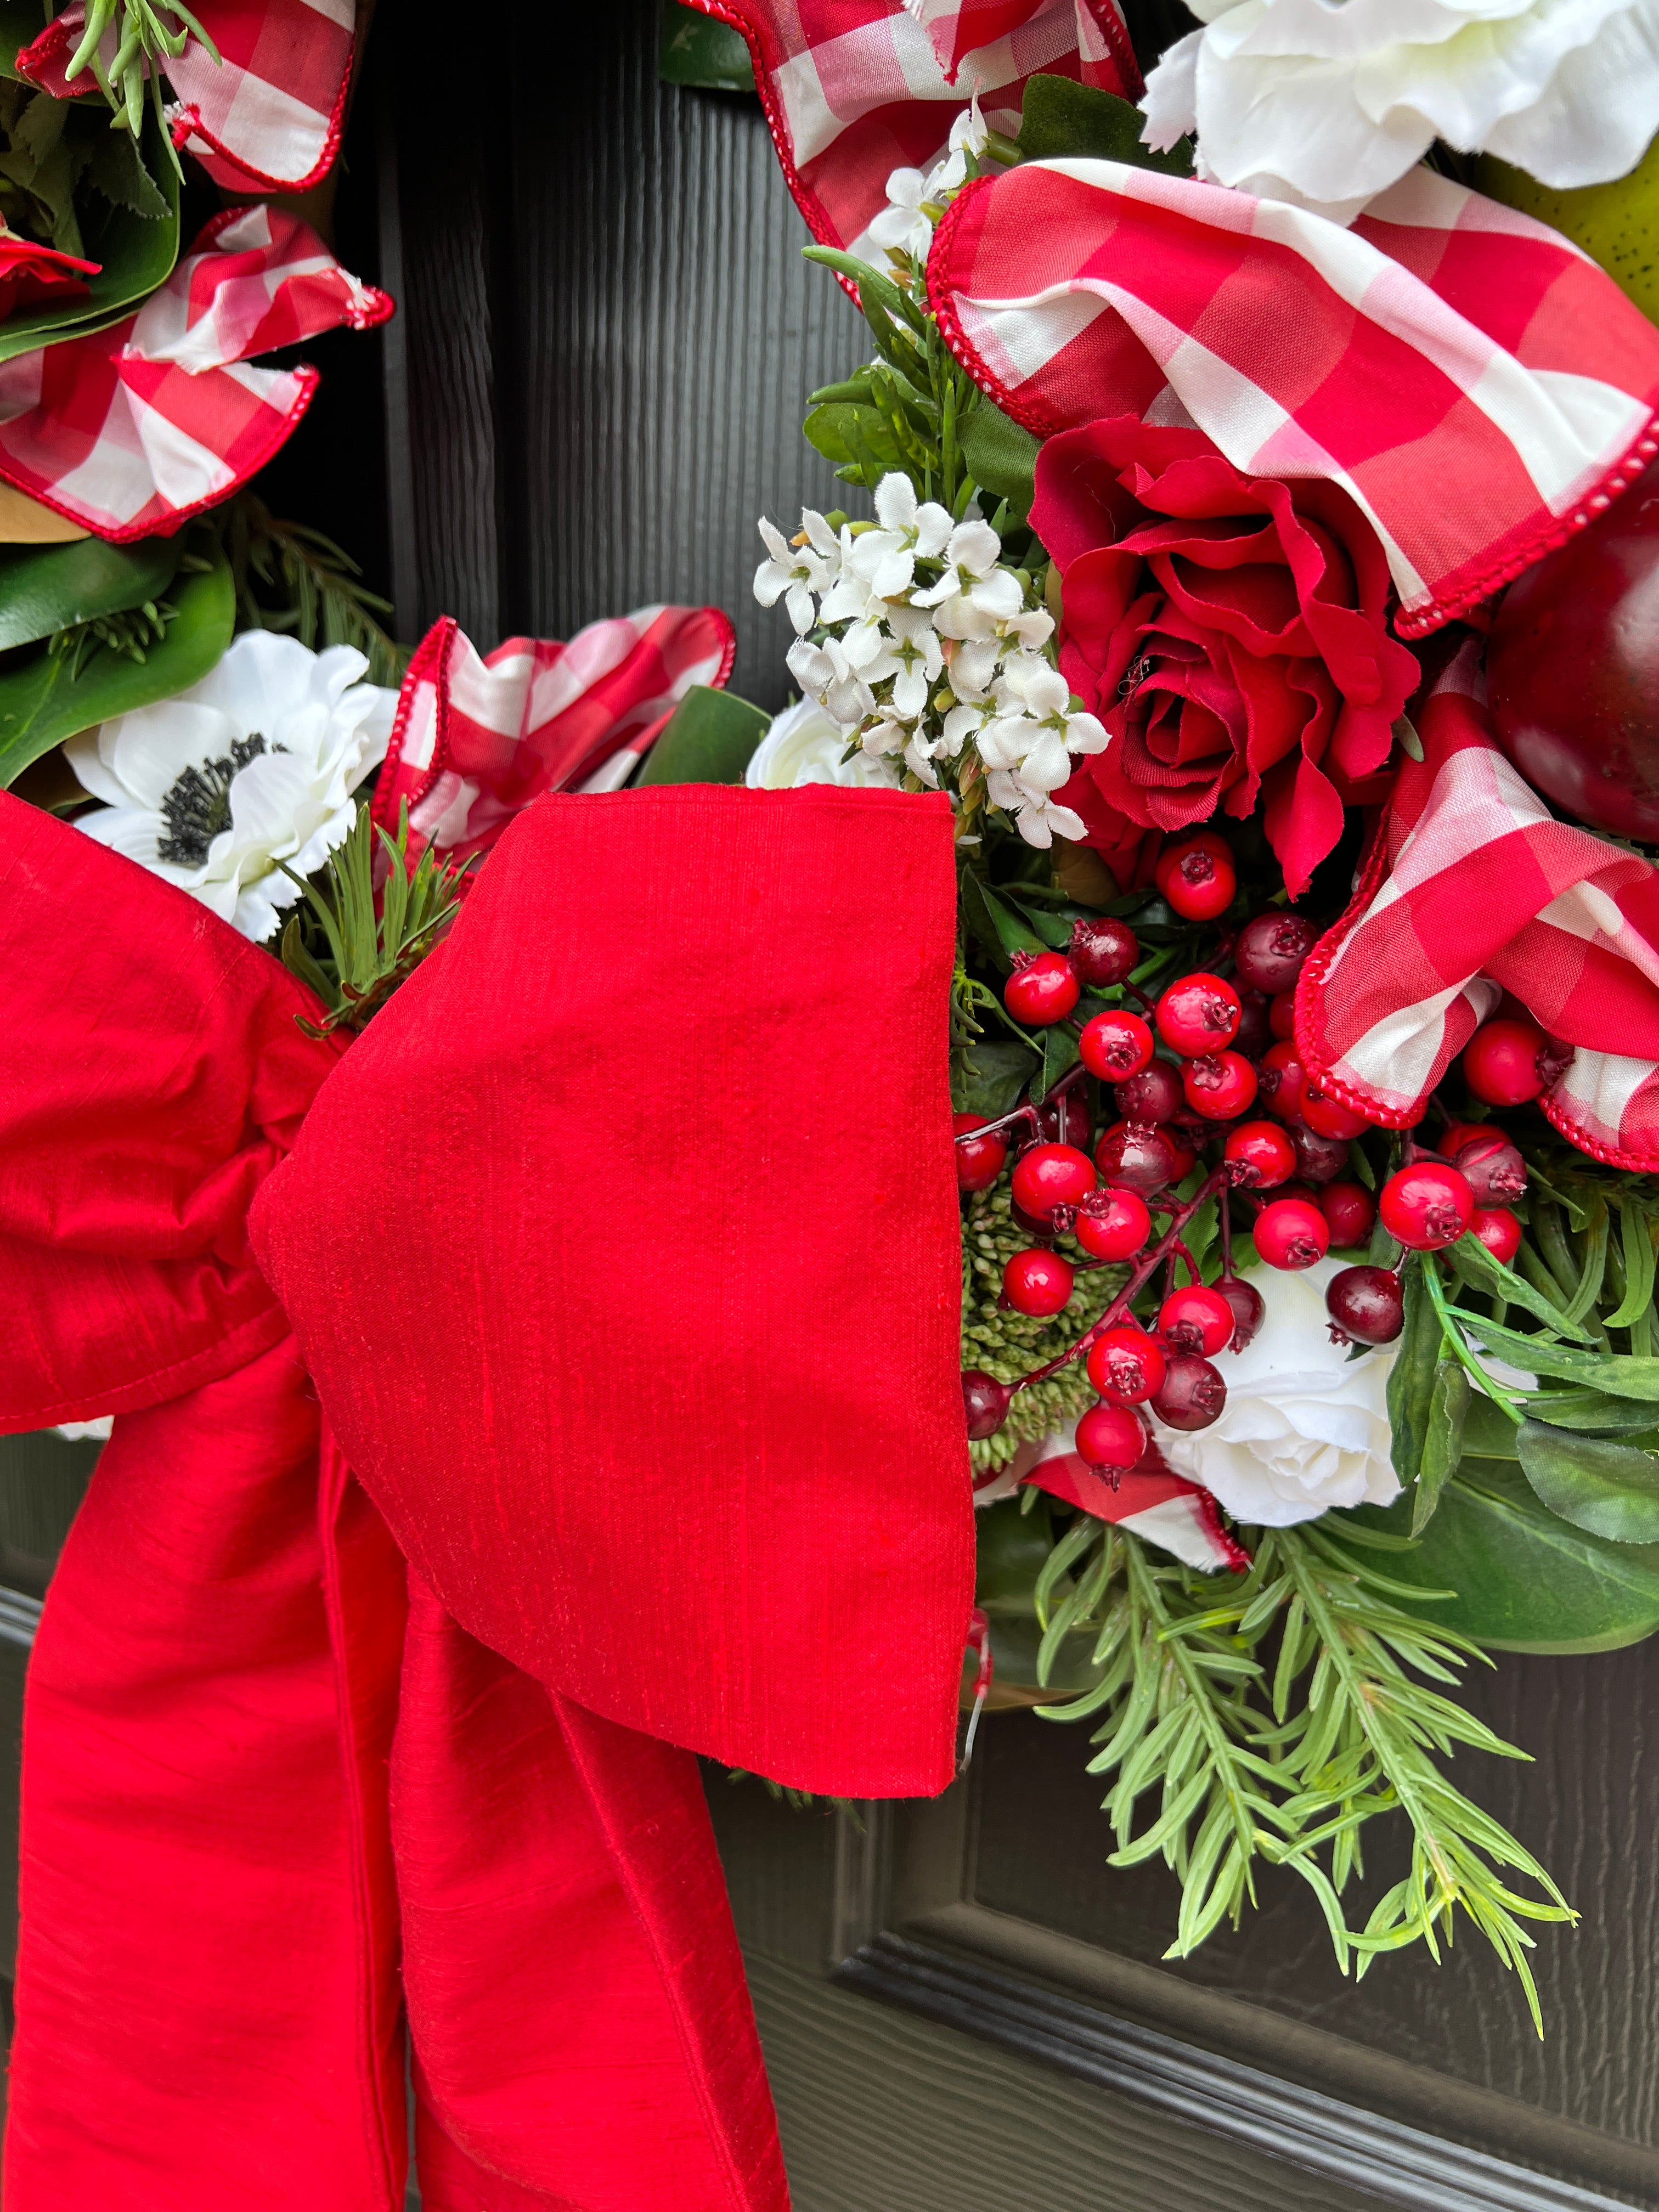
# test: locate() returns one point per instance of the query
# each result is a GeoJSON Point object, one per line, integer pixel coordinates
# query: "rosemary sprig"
{"type": "Point", "coordinates": [293, 578]}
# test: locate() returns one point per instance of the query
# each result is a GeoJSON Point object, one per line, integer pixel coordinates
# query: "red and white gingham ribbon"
{"type": "Point", "coordinates": [135, 428]}
{"type": "Point", "coordinates": [1473, 888]}
{"type": "Point", "coordinates": [1158, 1505]}
{"type": "Point", "coordinates": [268, 116]}
{"type": "Point", "coordinates": [1478, 385]}
{"type": "Point", "coordinates": [853, 89]}
{"type": "Point", "coordinates": [476, 738]}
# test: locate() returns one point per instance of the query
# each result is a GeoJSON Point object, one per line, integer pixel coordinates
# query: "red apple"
{"type": "Point", "coordinates": [1572, 668]}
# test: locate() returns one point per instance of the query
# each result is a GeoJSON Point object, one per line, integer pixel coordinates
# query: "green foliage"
{"type": "Point", "coordinates": [1062, 118]}
{"type": "Point", "coordinates": [701, 52]}
{"type": "Point", "coordinates": [1603, 1484]}
{"type": "Point", "coordinates": [1002, 456]}
{"type": "Point", "coordinates": [53, 589]}
{"type": "Point", "coordinates": [708, 739]}
{"type": "Point", "coordinates": [988, 1077]}
{"type": "Point", "coordinates": [133, 634]}
{"type": "Point", "coordinates": [150, 36]}
{"type": "Point", "coordinates": [364, 954]}
{"type": "Point", "coordinates": [291, 579]}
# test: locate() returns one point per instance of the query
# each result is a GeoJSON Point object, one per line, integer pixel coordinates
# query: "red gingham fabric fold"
{"type": "Point", "coordinates": [853, 89]}
{"type": "Point", "coordinates": [267, 117]}
{"type": "Point", "coordinates": [1475, 382]}
{"type": "Point", "coordinates": [137, 428]}
{"type": "Point", "coordinates": [477, 737]}
{"type": "Point", "coordinates": [1474, 889]}
{"type": "Point", "coordinates": [1152, 1501]}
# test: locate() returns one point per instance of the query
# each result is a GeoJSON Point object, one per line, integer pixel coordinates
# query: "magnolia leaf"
{"type": "Point", "coordinates": [1062, 118]}
{"type": "Point", "coordinates": [1617, 1373]}
{"type": "Point", "coordinates": [45, 588]}
{"type": "Point", "coordinates": [1412, 1378]}
{"type": "Point", "coordinates": [1001, 456]}
{"type": "Point", "coordinates": [1599, 1483]}
{"type": "Point", "coordinates": [701, 52]}
{"type": "Point", "coordinates": [41, 702]}
{"type": "Point", "coordinates": [1482, 1271]}
{"type": "Point", "coordinates": [987, 1078]}
{"type": "Point", "coordinates": [1443, 1440]}
{"type": "Point", "coordinates": [708, 739]}
{"type": "Point", "coordinates": [1526, 1580]}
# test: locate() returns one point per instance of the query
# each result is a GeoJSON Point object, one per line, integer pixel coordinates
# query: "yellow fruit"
{"type": "Point", "coordinates": [1616, 224]}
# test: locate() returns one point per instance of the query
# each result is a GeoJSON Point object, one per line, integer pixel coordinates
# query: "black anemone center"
{"type": "Point", "coordinates": [197, 807]}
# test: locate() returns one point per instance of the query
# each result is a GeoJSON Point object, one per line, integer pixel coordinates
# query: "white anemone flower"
{"type": "Point", "coordinates": [795, 574]}
{"type": "Point", "coordinates": [1327, 106]}
{"type": "Point", "coordinates": [254, 765]}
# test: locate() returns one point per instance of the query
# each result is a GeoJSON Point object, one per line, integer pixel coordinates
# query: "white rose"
{"type": "Point", "coordinates": [1304, 1428]}
{"type": "Point", "coordinates": [805, 745]}
{"type": "Point", "coordinates": [1326, 106]}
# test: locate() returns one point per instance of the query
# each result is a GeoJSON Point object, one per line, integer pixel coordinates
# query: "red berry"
{"type": "Point", "coordinates": [1319, 1159]}
{"type": "Point", "coordinates": [1329, 1117]}
{"type": "Point", "coordinates": [985, 1402]}
{"type": "Point", "coordinates": [1136, 1157]}
{"type": "Point", "coordinates": [1126, 1365]}
{"type": "Point", "coordinates": [1195, 1320]}
{"type": "Point", "coordinates": [1047, 1175]}
{"type": "Point", "coordinates": [1281, 1014]}
{"type": "Point", "coordinates": [1113, 1225]}
{"type": "Point", "coordinates": [1366, 1305]}
{"type": "Point", "coordinates": [1197, 876]}
{"type": "Point", "coordinates": [1247, 1307]}
{"type": "Point", "coordinates": [1037, 1282]}
{"type": "Point", "coordinates": [1115, 1045]}
{"type": "Point", "coordinates": [1182, 1156]}
{"type": "Point", "coordinates": [1498, 1231]}
{"type": "Point", "coordinates": [1110, 1438]}
{"type": "Point", "coordinates": [1426, 1206]}
{"type": "Point", "coordinates": [1104, 951]}
{"type": "Point", "coordinates": [1153, 1094]}
{"type": "Point", "coordinates": [1289, 1233]}
{"type": "Point", "coordinates": [1280, 1081]}
{"type": "Point", "coordinates": [979, 1160]}
{"type": "Point", "coordinates": [1199, 1014]}
{"type": "Point", "coordinates": [1500, 1062]}
{"type": "Point", "coordinates": [1263, 1151]}
{"type": "Point", "coordinates": [1193, 1395]}
{"type": "Point", "coordinates": [1220, 1086]}
{"type": "Point", "coordinates": [1459, 1134]}
{"type": "Point", "coordinates": [1269, 951]}
{"type": "Point", "coordinates": [1350, 1209]}
{"type": "Point", "coordinates": [1042, 989]}
{"type": "Point", "coordinates": [1492, 1166]}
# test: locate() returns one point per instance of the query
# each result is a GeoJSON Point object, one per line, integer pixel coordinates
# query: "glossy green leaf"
{"type": "Point", "coordinates": [1603, 1484]}
{"type": "Point", "coordinates": [1617, 1373]}
{"type": "Point", "coordinates": [1062, 117]}
{"type": "Point", "coordinates": [1443, 1439]}
{"type": "Point", "coordinates": [1053, 929]}
{"type": "Point", "coordinates": [48, 587]}
{"type": "Point", "coordinates": [854, 435]}
{"type": "Point", "coordinates": [701, 52]}
{"type": "Point", "coordinates": [1001, 456]}
{"type": "Point", "coordinates": [1060, 1055]}
{"type": "Point", "coordinates": [1478, 1267]}
{"type": "Point", "coordinates": [1489, 1433]}
{"type": "Point", "coordinates": [1014, 931]}
{"type": "Point", "coordinates": [1526, 1580]}
{"type": "Point", "coordinates": [1412, 1378]}
{"type": "Point", "coordinates": [42, 704]}
{"type": "Point", "coordinates": [708, 739]}
{"type": "Point", "coordinates": [988, 1077]}
{"type": "Point", "coordinates": [1636, 1247]}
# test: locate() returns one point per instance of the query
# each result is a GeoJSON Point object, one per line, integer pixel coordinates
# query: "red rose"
{"type": "Point", "coordinates": [1229, 631]}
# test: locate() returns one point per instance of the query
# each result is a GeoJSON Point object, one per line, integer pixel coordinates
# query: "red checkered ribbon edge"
{"type": "Point", "coordinates": [1156, 1504]}
{"type": "Point", "coordinates": [853, 89]}
{"type": "Point", "coordinates": [476, 738]}
{"type": "Point", "coordinates": [266, 117]}
{"type": "Point", "coordinates": [1472, 889]}
{"type": "Point", "coordinates": [136, 429]}
{"type": "Point", "coordinates": [1474, 382]}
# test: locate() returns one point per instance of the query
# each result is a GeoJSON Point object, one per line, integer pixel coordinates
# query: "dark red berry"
{"type": "Point", "coordinates": [1066, 1121]}
{"type": "Point", "coordinates": [1184, 1157]}
{"type": "Point", "coordinates": [1110, 1438]}
{"type": "Point", "coordinates": [1199, 1014]}
{"type": "Point", "coordinates": [1264, 1153]}
{"type": "Point", "coordinates": [1255, 1030]}
{"type": "Point", "coordinates": [1350, 1209]}
{"type": "Point", "coordinates": [986, 1402]}
{"type": "Point", "coordinates": [1281, 1014]}
{"type": "Point", "coordinates": [1153, 1094]}
{"type": "Point", "coordinates": [1498, 1231]}
{"type": "Point", "coordinates": [1270, 949]}
{"type": "Point", "coordinates": [1500, 1062]}
{"type": "Point", "coordinates": [1197, 876]}
{"type": "Point", "coordinates": [1248, 1308]}
{"type": "Point", "coordinates": [1366, 1304]}
{"type": "Point", "coordinates": [1318, 1159]}
{"type": "Point", "coordinates": [1041, 1229]}
{"type": "Point", "coordinates": [1220, 1086]}
{"type": "Point", "coordinates": [1037, 1282]}
{"type": "Point", "coordinates": [1492, 1166]}
{"type": "Point", "coordinates": [1104, 951]}
{"type": "Point", "coordinates": [1329, 1117]}
{"type": "Point", "coordinates": [1126, 1365]}
{"type": "Point", "coordinates": [1426, 1206]}
{"type": "Point", "coordinates": [1047, 1175]}
{"type": "Point", "coordinates": [1459, 1134]}
{"type": "Point", "coordinates": [1193, 1395]}
{"type": "Point", "coordinates": [979, 1159]}
{"type": "Point", "coordinates": [1112, 1225]}
{"type": "Point", "coordinates": [1137, 1158]}
{"type": "Point", "coordinates": [1279, 1081]}
{"type": "Point", "coordinates": [1042, 989]}
{"type": "Point", "coordinates": [1289, 1233]}
{"type": "Point", "coordinates": [1115, 1045]}
{"type": "Point", "coordinates": [1195, 1320]}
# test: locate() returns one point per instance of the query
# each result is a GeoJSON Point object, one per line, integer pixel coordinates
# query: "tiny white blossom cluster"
{"type": "Point", "coordinates": [917, 641]}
